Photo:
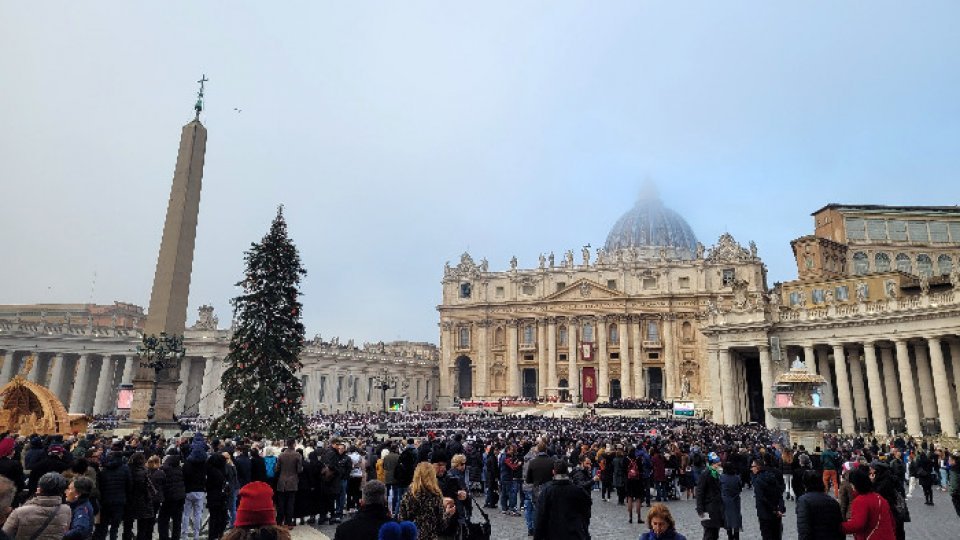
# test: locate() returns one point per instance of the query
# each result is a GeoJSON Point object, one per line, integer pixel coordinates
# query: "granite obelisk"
{"type": "Point", "coordinates": [171, 282]}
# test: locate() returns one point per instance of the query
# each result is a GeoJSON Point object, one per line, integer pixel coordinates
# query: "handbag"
{"type": "Point", "coordinates": [901, 509]}
{"type": "Point", "coordinates": [469, 530]}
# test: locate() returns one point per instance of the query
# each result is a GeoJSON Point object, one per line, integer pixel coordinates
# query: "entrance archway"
{"type": "Point", "coordinates": [564, 390]}
{"type": "Point", "coordinates": [465, 377]}
{"type": "Point", "coordinates": [615, 392]}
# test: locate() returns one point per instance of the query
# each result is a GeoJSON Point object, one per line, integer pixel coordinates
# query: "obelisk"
{"type": "Point", "coordinates": [171, 282]}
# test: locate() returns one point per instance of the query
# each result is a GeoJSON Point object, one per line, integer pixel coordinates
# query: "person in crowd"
{"type": "Point", "coordinates": [403, 474]}
{"type": "Point", "coordinates": [953, 482]}
{"type": "Point", "coordinates": [710, 499]}
{"type": "Point", "coordinates": [870, 516]}
{"type": "Point", "coordinates": [539, 472]}
{"type": "Point", "coordinates": [768, 493]}
{"type": "Point", "coordinates": [140, 501]}
{"type": "Point", "coordinates": [388, 462]}
{"type": "Point", "coordinates": [424, 504]}
{"type": "Point", "coordinates": [634, 485]}
{"type": "Point", "coordinates": [404, 530]}
{"type": "Point", "coordinates": [11, 468]}
{"type": "Point", "coordinates": [233, 485]}
{"type": "Point", "coordinates": [846, 494]}
{"type": "Point", "coordinates": [52, 462]}
{"type": "Point", "coordinates": [491, 477]}
{"type": "Point", "coordinates": [830, 462]}
{"type": "Point", "coordinates": [170, 515]}
{"type": "Point", "coordinates": [258, 467]}
{"type": "Point", "coordinates": [818, 515]}
{"type": "Point", "coordinates": [195, 486]}
{"type": "Point", "coordinates": [922, 469]}
{"type": "Point", "coordinates": [661, 525]}
{"type": "Point", "coordinates": [336, 467]}
{"type": "Point", "coordinates": [507, 464]}
{"type": "Point", "coordinates": [888, 487]}
{"type": "Point", "coordinates": [355, 478]}
{"type": "Point", "coordinates": [289, 466]}
{"type": "Point", "coordinates": [730, 488]}
{"type": "Point", "coordinates": [217, 489]}
{"type": "Point", "coordinates": [114, 483]}
{"type": "Point", "coordinates": [458, 473]}
{"type": "Point", "coordinates": [78, 497]}
{"type": "Point", "coordinates": [786, 467]}
{"type": "Point", "coordinates": [256, 515]}
{"type": "Point", "coordinates": [8, 491]}
{"type": "Point", "coordinates": [43, 517]}
{"type": "Point", "coordinates": [620, 475]}
{"type": "Point", "coordinates": [241, 460]}
{"type": "Point", "coordinates": [373, 513]}
{"type": "Point", "coordinates": [564, 508]}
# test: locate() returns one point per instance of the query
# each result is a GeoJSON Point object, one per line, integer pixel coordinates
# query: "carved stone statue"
{"type": "Point", "coordinates": [663, 254]}
{"type": "Point", "coordinates": [684, 387]}
{"type": "Point", "coordinates": [753, 249]}
{"type": "Point", "coordinates": [955, 277]}
{"type": "Point", "coordinates": [600, 255]}
{"type": "Point", "coordinates": [861, 292]}
{"type": "Point", "coordinates": [586, 255]}
{"type": "Point", "coordinates": [543, 261]}
{"type": "Point", "coordinates": [924, 284]}
{"type": "Point", "coordinates": [513, 262]}
{"type": "Point", "coordinates": [828, 296]}
{"type": "Point", "coordinates": [774, 298]}
{"type": "Point", "coordinates": [484, 264]}
{"type": "Point", "coordinates": [802, 298]}
{"type": "Point", "coordinates": [447, 270]}
{"type": "Point", "coordinates": [890, 288]}
{"type": "Point", "coordinates": [551, 259]}
{"type": "Point", "coordinates": [700, 250]}
{"type": "Point", "coordinates": [569, 258]}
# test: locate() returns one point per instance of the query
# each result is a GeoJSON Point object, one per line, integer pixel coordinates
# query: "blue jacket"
{"type": "Point", "coordinates": [81, 524]}
{"type": "Point", "coordinates": [669, 534]}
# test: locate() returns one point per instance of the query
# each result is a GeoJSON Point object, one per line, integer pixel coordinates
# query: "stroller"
{"type": "Point", "coordinates": [475, 531]}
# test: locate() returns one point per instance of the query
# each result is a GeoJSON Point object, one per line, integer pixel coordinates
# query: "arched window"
{"type": "Point", "coordinates": [614, 333]}
{"type": "Point", "coordinates": [924, 265]}
{"type": "Point", "coordinates": [687, 331]}
{"type": "Point", "coordinates": [562, 335]}
{"type": "Point", "coordinates": [904, 264]}
{"type": "Point", "coordinates": [464, 337]}
{"type": "Point", "coordinates": [587, 332]}
{"type": "Point", "coordinates": [860, 263]}
{"type": "Point", "coordinates": [653, 331]}
{"type": "Point", "coordinates": [945, 265]}
{"type": "Point", "coordinates": [881, 262]}
{"type": "Point", "coordinates": [498, 336]}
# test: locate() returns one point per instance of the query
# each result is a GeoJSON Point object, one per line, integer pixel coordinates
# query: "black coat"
{"type": "Point", "coordinates": [563, 512]}
{"type": "Point", "coordinates": [493, 469]}
{"type": "Point", "coordinates": [12, 469]}
{"type": "Point", "coordinates": [114, 482]}
{"type": "Point", "coordinates": [364, 525]}
{"type": "Point", "coordinates": [173, 487]}
{"type": "Point", "coordinates": [710, 500]}
{"type": "Point", "coordinates": [243, 465]}
{"type": "Point", "coordinates": [730, 488]}
{"type": "Point", "coordinates": [340, 465]}
{"type": "Point", "coordinates": [258, 469]}
{"type": "Point", "coordinates": [217, 486]}
{"type": "Point", "coordinates": [42, 467]}
{"type": "Point", "coordinates": [818, 517]}
{"type": "Point", "coordinates": [195, 476]}
{"type": "Point", "coordinates": [768, 492]}
{"type": "Point", "coordinates": [139, 505]}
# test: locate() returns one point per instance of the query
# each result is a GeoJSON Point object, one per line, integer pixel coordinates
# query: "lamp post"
{"type": "Point", "coordinates": [383, 382]}
{"type": "Point", "coordinates": [158, 354]}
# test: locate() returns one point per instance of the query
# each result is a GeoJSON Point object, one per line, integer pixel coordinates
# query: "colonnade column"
{"type": "Point", "coordinates": [948, 423]}
{"type": "Point", "coordinates": [713, 359]}
{"type": "Point", "coordinates": [483, 367]}
{"type": "Point", "coordinates": [446, 363]}
{"type": "Point", "coordinates": [669, 365]}
{"type": "Point", "coordinates": [542, 352]}
{"type": "Point", "coordinates": [573, 375]}
{"type": "Point", "coordinates": [206, 387]}
{"type": "Point", "coordinates": [603, 378]}
{"type": "Point", "coordinates": [129, 366]}
{"type": "Point", "coordinates": [856, 381]}
{"type": "Point", "coordinates": [955, 362]}
{"type": "Point", "coordinates": [512, 365]}
{"type": "Point", "coordinates": [809, 359]}
{"type": "Point", "coordinates": [34, 374]}
{"type": "Point", "coordinates": [726, 380]}
{"type": "Point", "coordinates": [80, 386]}
{"type": "Point", "coordinates": [766, 380]}
{"type": "Point", "coordinates": [823, 363]}
{"type": "Point", "coordinates": [6, 373]}
{"type": "Point", "coordinates": [843, 390]}
{"type": "Point", "coordinates": [928, 399]}
{"type": "Point", "coordinates": [890, 384]}
{"type": "Point", "coordinates": [639, 385]}
{"type": "Point", "coordinates": [59, 366]}
{"type": "Point", "coordinates": [876, 388]}
{"type": "Point", "coordinates": [184, 375]}
{"type": "Point", "coordinates": [101, 403]}
{"type": "Point", "coordinates": [910, 413]}
{"type": "Point", "coordinates": [623, 327]}
{"type": "Point", "coordinates": [551, 357]}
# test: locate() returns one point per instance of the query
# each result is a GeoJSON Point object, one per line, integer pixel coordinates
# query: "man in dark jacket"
{"type": "Point", "coordinates": [563, 508]}
{"type": "Point", "coordinates": [244, 467]}
{"type": "Point", "coordinates": [114, 483]}
{"type": "Point", "coordinates": [174, 493]}
{"type": "Point", "coordinates": [539, 472]}
{"type": "Point", "coordinates": [403, 474]}
{"type": "Point", "coordinates": [9, 467]}
{"type": "Point", "coordinates": [336, 465]}
{"type": "Point", "coordinates": [818, 514]}
{"type": "Point", "coordinates": [53, 462]}
{"type": "Point", "coordinates": [710, 499]}
{"type": "Point", "coordinates": [373, 513]}
{"type": "Point", "coordinates": [195, 486]}
{"type": "Point", "coordinates": [289, 467]}
{"type": "Point", "coordinates": [768, 493]}
{"type": "Point", "coordinates": [491, 476]}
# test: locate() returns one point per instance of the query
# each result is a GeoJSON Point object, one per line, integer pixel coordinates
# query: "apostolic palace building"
{"type": "Point", "coordinates": [655, 313]}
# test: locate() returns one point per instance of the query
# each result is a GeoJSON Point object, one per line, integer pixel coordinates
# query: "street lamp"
{"type": "Point", "coordinates": [158, 354]}
{"type": "Point", "coordinates": [383, 382]}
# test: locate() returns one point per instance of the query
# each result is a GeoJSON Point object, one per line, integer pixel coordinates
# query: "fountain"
{"type": "Point", "coordinates": [797, 400]}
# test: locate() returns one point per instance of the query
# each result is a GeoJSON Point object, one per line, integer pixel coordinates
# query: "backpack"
{"type": "Point", "coordinates": [633, 470]}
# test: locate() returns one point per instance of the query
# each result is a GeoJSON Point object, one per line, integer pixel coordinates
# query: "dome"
{"type": "Point", "coordinates": [650, 224]}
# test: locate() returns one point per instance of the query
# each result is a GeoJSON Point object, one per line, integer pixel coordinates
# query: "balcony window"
{"type": "Point", "coordinates": [945, 265]}
{"type": "Point", "coordinates": [860, 263]}
{"type": "Point", "coordinates": [881, 262]}
{"type": "Point", "coordinates": [924, 265]}
{"type": "Point", "coordinates": [587, 333]}
{"type": "Point", "coordinates": [842, 293]}
{"type": "Point", "coordinates": [562, 335]}
{"type": "Point", "coordinates": [904, 264]}
{"type": "Point", "coordinates": [528, 335]}
{"type": "Point", "coordinates": [463, 340]}
{"type": "Point", "coordinates": [614, 334]}
{"type": "Point", "coordinates": [653, 331]}
{"type": "Point", "coordinates": [729, 276]}
{"type": "Point", "coordinates": [465, 290]}
{"type": "Point", "coordinates": [817, 296]}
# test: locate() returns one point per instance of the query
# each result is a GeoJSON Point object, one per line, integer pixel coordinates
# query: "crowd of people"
{"type": "Point", "coordinates": [417, 474]}
{"type": "Point", "coordinates": [636, 403]}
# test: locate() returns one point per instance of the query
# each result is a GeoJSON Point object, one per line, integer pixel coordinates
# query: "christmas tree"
{"type": "Point", "coordinates": [262, 393]}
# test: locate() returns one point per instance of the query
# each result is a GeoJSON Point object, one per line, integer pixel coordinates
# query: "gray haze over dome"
{"type": "Point", "coordinates": [650, 224]}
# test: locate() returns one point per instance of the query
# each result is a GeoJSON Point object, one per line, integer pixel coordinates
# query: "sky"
{"type": "Point", "coordinates": [398, 135]}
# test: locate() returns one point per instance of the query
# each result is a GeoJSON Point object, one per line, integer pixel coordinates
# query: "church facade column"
{"type": "Point", "coordinates": [857, 383]}
{"type": "Point", "coordinates": [623, 329]}
{"type": "Point", "coordinates": [955, 365]}
{"type": "Point", "coordinates": [823, 365]}
{"type": "Point", "coordinates": [874, 383]}
{"type": "Point", "coordinates": [809, 359]}
{"type": "Point", "coordinates": [726, 381]}
{"type": "Point", "coordinates": [483, 367]}
{"type": "Point", "coordinates": [80, 391]}
{"type": "Point", "coordinates": [573, 375]}
{"type": "Point", "coordinates": [446, 364]}
{"type": "Point", "coordinates": [669, 362]}
{"type": "Point", "coordinates": [766, 379]}
{"type": "Point", "coordinates": [513, 367]}
{"type": "Point", "coordinates": [890, 385]}
{"type": "Point", "coordinates": [542, 354]}
{"type": "Point", "coordinates": [847, 421]}
{"type": "Point", "coordinates": [928, 399]}
{"type": "Point", "coordinates": [101, 404]}
{"type": "Point", "coordinates": [551, 356]}
{"type": "Point", "coordinates": [603, 377]}
{"type": "Point", "coordinates": [639, 384]}
{"type": "Point", "coordinates": [948, 424]}
{"type": "Point", "coordinates": [910, 412]}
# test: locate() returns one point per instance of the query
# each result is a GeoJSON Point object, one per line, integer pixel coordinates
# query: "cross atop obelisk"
{"type": "Point", "coordinates": [171, 283]}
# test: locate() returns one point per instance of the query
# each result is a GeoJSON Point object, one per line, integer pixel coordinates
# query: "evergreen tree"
{"type": "Point", "coordinates": [262, 393]}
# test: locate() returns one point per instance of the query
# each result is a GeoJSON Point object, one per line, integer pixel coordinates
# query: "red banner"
{"type": "Point", "coordinates": [589, 390]}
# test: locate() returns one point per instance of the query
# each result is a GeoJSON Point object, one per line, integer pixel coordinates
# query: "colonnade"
{"type": "Point", "coordinates": [907, 383]}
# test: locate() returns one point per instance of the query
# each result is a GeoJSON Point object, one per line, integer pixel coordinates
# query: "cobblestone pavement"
{"type": "Point", "coordinates": [609, 520]}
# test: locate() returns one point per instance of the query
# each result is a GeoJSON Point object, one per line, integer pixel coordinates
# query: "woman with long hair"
{"type": "Point", "coordinates": [425, 505]}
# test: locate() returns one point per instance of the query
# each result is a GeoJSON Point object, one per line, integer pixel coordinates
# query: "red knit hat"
{"type": "Point", "coordinates": [6, 446]}
{"type": "Point", "coordinates": [256, 506]}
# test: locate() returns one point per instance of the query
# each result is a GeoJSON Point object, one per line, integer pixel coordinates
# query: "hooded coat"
{"type": "Point", "coordinates": [173, 487]}
{"type": "Point", "coordinates": [114, 481]}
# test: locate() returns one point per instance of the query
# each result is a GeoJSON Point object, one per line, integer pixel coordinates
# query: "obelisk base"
{"type": "Point", "coordinates": [164, 409]}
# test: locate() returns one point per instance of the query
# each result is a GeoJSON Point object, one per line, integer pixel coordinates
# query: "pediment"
{"type": "Point", "coordinates": [584, 289]}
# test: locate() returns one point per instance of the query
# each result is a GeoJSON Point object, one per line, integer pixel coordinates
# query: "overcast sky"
{"type": "Point", "coordinates": [400, 134]}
